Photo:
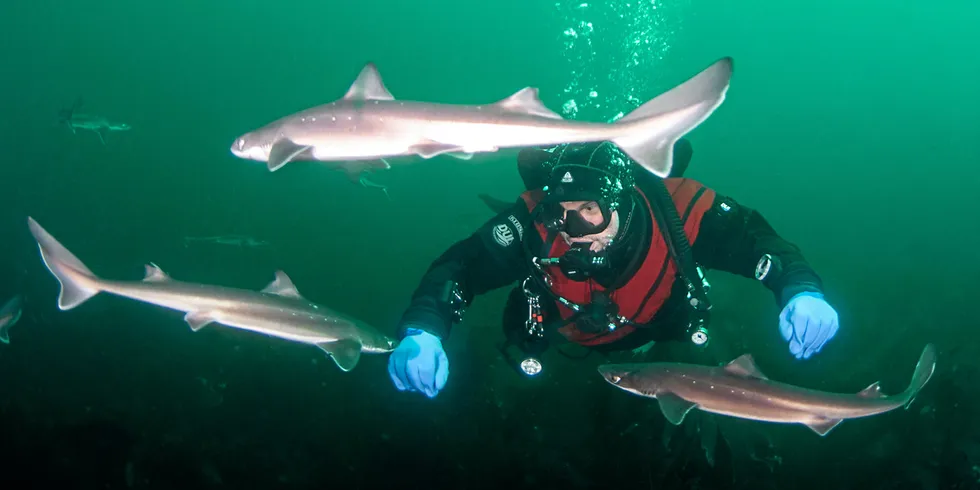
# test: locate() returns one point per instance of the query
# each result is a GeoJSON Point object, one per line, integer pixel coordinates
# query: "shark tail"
{"type": "Point", "coordinates": [496, 205]}
{"type": "Point", "coordinates": [78, 283]}
{"type": "Point", "coordinates": [655, 126]}
{"type": "Point", "coordinates": [923, 372]}
{"type": "Point", "coordinates": [9, 315]}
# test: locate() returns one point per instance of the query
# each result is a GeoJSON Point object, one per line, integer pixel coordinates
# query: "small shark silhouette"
{"type": "Point", "coordinates": [370, 184]}
{"type": "Point", "coordinates": [233, 240]}
{"type": "Point", "coordinates": [91, 122]}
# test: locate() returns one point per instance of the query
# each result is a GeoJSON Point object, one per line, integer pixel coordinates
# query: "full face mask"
{"type": "Point", "coordinates": [597, 172]}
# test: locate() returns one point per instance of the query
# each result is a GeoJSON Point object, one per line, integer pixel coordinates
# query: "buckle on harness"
{"type": "Point", "coordinates": [535, 319]}
{"type": "Point", "coordinates": [695, 299]}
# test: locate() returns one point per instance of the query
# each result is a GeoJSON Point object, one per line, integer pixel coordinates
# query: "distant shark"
{"type": "Point", "coordinates": [90, 122]}
{"type": "Point", "coordinates": [370, 184]}
{"type": "Point", "coordinates": [9, 315]}
{"type": "Point", "coordinates": [367, 126]}
{"type": "Point", "coordinates": [739, 389]}
{"type": "Point", "coordinates": [277, 311]}
{"type": "Point", "coordinates": [233, 240]}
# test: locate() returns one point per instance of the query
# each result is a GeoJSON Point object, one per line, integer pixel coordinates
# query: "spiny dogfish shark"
{"type": "Point", "coordinates": [277, 311]}
{"type": "Point", "coordinates": [739, 389]}
{"type": "Point", "coordinates": [368, 125]}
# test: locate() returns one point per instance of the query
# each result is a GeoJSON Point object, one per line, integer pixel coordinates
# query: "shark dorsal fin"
{"type": "Point", "coordinates": [745, 367]}
{"type": "Point", "coordinates": [526, 101]}
{"type": "Point", "coordinates": [368, 86]}
{"type": "Point", "coordinates": [155, 274]}
{"type": "Point", "coordinates": [282, 286]}
{"type": "Point", "coordinates": [871, 392]}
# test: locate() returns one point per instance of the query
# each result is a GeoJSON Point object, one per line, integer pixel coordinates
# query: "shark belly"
{"type": "Point", "coordinates": [747, 400]}
{"type": "Point", "coordinates": [363, 147]}
{"type": "Point", "coordinates": [281, 323]}
{"type": "Point", "coordinates": [353, 135]}
{"type": "Point", "coordinates": [760, 412]}
{"type": "Point", "coordinates": [489, 135]}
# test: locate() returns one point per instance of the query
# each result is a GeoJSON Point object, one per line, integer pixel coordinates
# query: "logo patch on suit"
{"type": "Point", "coordinates": [503, 235]}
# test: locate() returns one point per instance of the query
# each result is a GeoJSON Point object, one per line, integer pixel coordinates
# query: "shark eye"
{"type": "Point", "coordinates": [616, 379]}
{"type": "Point", "coordinates": [241, 143]}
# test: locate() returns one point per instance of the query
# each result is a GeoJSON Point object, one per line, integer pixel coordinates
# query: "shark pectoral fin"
{"type": "Point", "coordinates": [282, 285]}
{"type": "Point", "coordinates": [674, 407]}
{"type": "Point", "coordinates": [744, 366]}
{"type": "Point", "coordinates": [526, 101]}
{"type": "Point", "coordinates": [429, 149]}
{"type": "Point", "coordinates": [871, 392]}
{"type": "Point", "coordinates": [345, 352]}
{"type": "Point", "coordinates": [155, 274]}
{"type": "Point", "coordinates": [461, 156]}
{"type": "Point", "coordinates": [198, 319]}
{"type": "Point", "coordinates": [824, 426]}
{"type": "Point", "coordinates": [368, 86]}
{"type": "Point", "coordinates": [283, 152]}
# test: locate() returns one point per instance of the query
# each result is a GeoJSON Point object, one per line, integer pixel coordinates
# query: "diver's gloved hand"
{"type": "Point", "coordinates": [807, 322]}
{"type": "Point", "coordinates": [419, 363]}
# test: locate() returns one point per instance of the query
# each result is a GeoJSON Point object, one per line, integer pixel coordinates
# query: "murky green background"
{"type": "Point", "coordinates": [852, 128]}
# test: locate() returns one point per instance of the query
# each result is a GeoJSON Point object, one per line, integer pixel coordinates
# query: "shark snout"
{"type": "Point", "coordinates": [248, 149]}
{"type": "Point", "coordinates": [238, 147]}
{"type": "Point", "coordinates": [611, 373]}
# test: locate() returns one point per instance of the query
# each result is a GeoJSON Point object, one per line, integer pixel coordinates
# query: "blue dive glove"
{"type": "Point", "coordinates": [419, 363]}
{"type": "Point", "coordinates": [807, 322]}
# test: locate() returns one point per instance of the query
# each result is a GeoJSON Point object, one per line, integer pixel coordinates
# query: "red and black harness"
{"type": "Point", "coordinates": [677, 206]}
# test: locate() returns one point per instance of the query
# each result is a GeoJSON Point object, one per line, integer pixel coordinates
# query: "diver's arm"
{"type": "Point", "coordinates": [488, 259]}
{"type": "Point", "coordinates": [734, 238]}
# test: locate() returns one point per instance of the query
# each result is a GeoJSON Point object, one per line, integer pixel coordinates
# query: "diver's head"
{"type": "Point", "coordinates": [587, 186]}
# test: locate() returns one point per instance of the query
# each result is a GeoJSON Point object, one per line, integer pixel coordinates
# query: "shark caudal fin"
{"type": "Point", "coordinates": [654, 127]}
{"type": "Point", "coordinates": [923, 372]}
{"type": "Point", "coordinates": [496, 205]}
{"type": "Point", "coordinates": [10, 313]}
{"type": "Point", "coordinates": [78, 283]}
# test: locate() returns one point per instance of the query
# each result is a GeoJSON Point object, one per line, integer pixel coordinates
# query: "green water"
{"type": "Point", "coordinates": [852, 128]}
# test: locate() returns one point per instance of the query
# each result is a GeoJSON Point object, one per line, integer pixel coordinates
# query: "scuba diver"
{"type": "Point", "coordinates": [609, 256]}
